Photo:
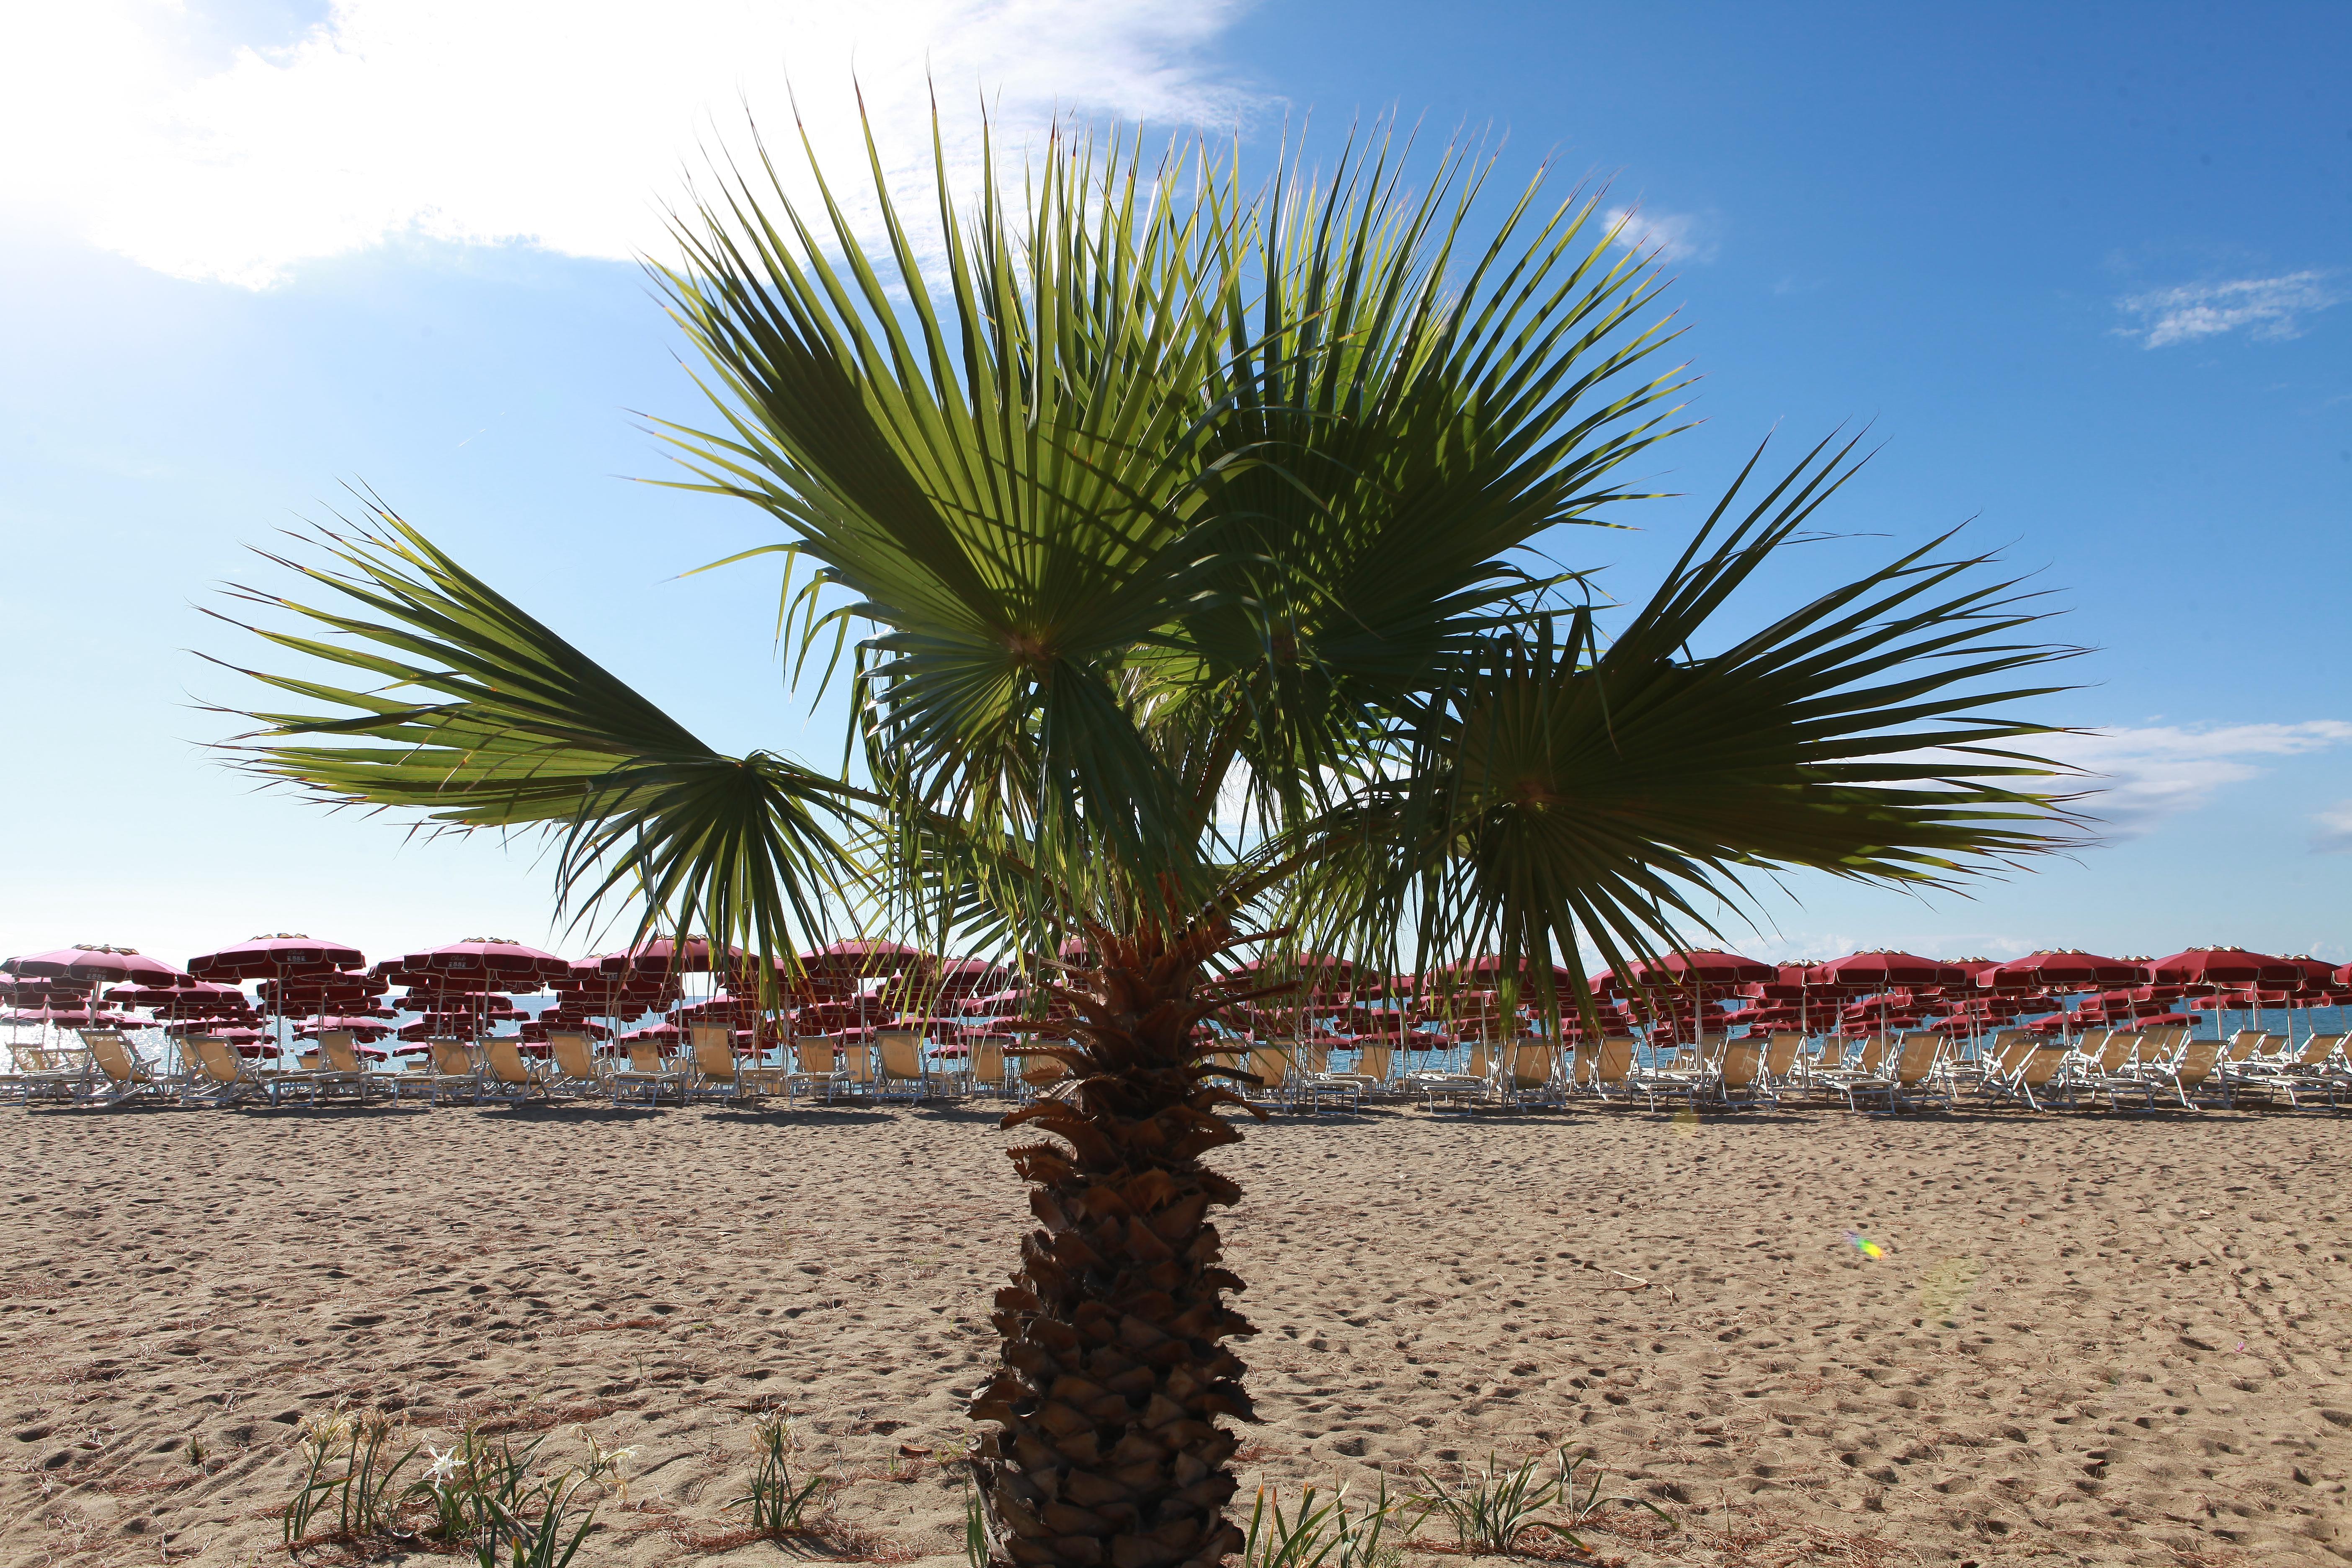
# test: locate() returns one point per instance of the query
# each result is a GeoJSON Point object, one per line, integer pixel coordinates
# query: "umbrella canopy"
{"type": "Point", "coordinates": [662, 955]}
{"type": "Point", "coordinates": [860, 955]}
{"type": "Point", "coordinates": [1702, 967]}
{"type": "Point", "coordinates": [92, 962]}
{"type": "Point", "coordinates": [2221, 966]}
{"type": "Point", "coordinates": [2068, 968]}
{"type": "Point", "coordinates": [366, 1030]}
{"type": "Point", "coordinates": [1883, 968]}
{"type": "Point", "coordinates": [2310, 971]}
{"type": "Point", "coordinates": [196, 999]}
{"type": "Point", "coordinates": [309, 993]}
{"type": "Point", "coordinates": [965, 976]}
{"type": "Point", "coordinates": [275, 957]}
{"type": "Point", "coordinates": [536, 1033]}
{"type": "Point", "coordinates": [496, 957]}
{"type": "Point", "coordinates": [414, 1000]}
{"type": "Point", "coordinates": [1489, 972]}
{"type": "Point", "coordinates": [49, 993]}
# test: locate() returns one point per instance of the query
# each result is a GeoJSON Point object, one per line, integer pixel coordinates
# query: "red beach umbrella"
{"type": "Point", "coordinates": [536, 1032]}
{"type": "Point", "coordinates": [1882, 969]}
{"type": "Point", "coordinates": [499, 958]}
{"type": "Point", "coordinates": [69, 1018]}
{"type": "Point", "coordinates": [2067, 969]}
{"type": "Point", "coordinates": [860, 955]}
{"type": "Point", "coordinates": [309, 993]}
{"type": "Point", "coordinates": [274, 958]}
{"type": "Point", "coordinates": [47, 993]}
{"type": "Point", "coordinates": [1702, 966]}
{"type": "Point", "coordinates": [92, 962]}
{"type": "Point", "coordinates": [2221, 966]}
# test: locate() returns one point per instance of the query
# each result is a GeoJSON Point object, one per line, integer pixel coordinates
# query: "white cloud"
{"type": "Point", "coordinates": [2334, 834]}
{"type": "Point", "coordinates": [2147, 774]}
{"type": "Point", "coordinates": [1668, 236]}
{"type": "Point", "coordinates": [2273, 306]}
{"type": "Point", "coordinates": [563, 124]}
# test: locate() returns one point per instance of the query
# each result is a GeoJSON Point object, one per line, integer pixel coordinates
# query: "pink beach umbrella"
{"type": "Point", "coordinates": [2068, 968]}
{"type": "Point", "coordinates": [1883, 969]}
{"type": "Point", "coordinates": [2220, 966]}
{"type": "Point", "coordinates": [275, 958]}
{"type": "Point", "coordinates": [36, 993]}
{"type": "Point", "coordinates": [2217, 968]}
{"type": "Point", "coordinates": [504, 962]}
{"type": "Point", "coordinates": [93, 962]}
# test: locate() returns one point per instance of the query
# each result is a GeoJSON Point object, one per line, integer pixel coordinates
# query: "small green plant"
{"type": "Point", "coordinates": [1315, 1535]}
{"type": "Point", "coordinates": [604, 1467]}
{"type": "Point", "coordinates": [1490, 1512]}
{"type": "Point", "coordinates": [311, 1495]}
{"type": "Point", "coordinates": [777, 1501]}
{"type": "Point", "coordinates": [533, 1533]}
{"type": "Point", "coordinates": [345, 1461]}
{"type": "Point", "coordinates": [1585, 1506]}
{"type": "Point", "coordinates": [452, 1488]}
{"type": "Point", "coordinates": [975, 1528]}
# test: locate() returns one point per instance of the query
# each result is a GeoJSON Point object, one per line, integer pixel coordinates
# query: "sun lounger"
{"type": "Point", "coordinates": [1531, 1075]}
{"type": "Point", "coordinates": [223, 1077]}
{"type": "Point", "coordinates": [1865, 1070]}
{"type": "Point", "coordinates": [856, 1071]}
{"type": "Point", "coordinates": [40, 1076]}
{"type": "Point", "coordinates": [650, 1070]}
{"type": "Point", "coordinates": [348, 1070]}
{"type": "Point", "coordinates": [1441, 1088]}
{"type": "Point", "coordinates": [450, 1068]}
{"type": "Point", "coordinates": [1374, 1065]}
{"type": "Point", "coordinates": [573, 1065]}
{"type": "Point", "coordinates": [1783, 1053]}
{"type": "Point", "coordinates": [505, 1073]}
{"type": "Point", "coordinates": [904, 1073]}
{"type": "Point", "coordinates": [1916, 1076]}
{"type": "Point", "coordinates": [1272, 1067]}
{"type": "Point", "coordinates": [1041, 1075]}
{"type": "Point", "coordinates": [127, 1078]}
{"type": "Point", "coordinates": [719, 1072]}
{"type": "Point", "coordinates": [1312, 1082]}
{"type": "Point", "coordinates": [983, 1070]}
{"type": "Point", "coordinates": [2043, 1069]}
{"type": "Point", "coordinates": [816, 1068]}
{"type": "Point", "coordinates": [1737, 1078]}
{"type": "Point", "coordinates": [1617, 1076]}
{"type": "Point", "coordinates": [2312, 1068]}
{"type": "Point", "coordinates": [2194, 1070]}
{"type": "Point", "coordinates": [319, 1076]}
{"type": "Point", "coordinates": [2115, 1053]}
{"type": "Point", "coordinates": [1830, 1058]}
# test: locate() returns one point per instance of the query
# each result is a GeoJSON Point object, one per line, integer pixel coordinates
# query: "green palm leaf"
{"type": "Point", "coordinates": [479, 716]}
{"type": "Point", "coordinates": [1567, 793]}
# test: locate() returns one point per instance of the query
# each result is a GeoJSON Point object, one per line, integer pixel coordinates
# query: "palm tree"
{"type": "Point", "coordinates": [1192, 543]}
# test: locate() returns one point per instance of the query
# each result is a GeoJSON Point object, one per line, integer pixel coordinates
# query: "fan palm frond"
{"type": "Point", "coordinates": [477, 715]}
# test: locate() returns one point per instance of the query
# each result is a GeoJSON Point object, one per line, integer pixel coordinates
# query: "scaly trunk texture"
{"type": "Point", "coordinates": [1113, 1377]}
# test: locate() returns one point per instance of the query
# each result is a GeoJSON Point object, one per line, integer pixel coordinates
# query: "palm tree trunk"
{"type": "Point", "coordinates": [1110, 1451]}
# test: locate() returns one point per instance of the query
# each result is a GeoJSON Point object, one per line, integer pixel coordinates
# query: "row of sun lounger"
{"type": "Point", "coordinates": [108, 1069]}
{"type": "Point", "coordinates": [2123, 1069]}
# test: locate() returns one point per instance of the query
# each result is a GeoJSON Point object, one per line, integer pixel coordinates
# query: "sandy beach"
{"type": "Point", "coordinates": [2088, 1338]}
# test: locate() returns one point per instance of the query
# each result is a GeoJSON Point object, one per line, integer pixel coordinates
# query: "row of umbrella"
{"type": "Point", "coordinates": [852, 986]}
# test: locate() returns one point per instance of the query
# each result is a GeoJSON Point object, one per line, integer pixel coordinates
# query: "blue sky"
{"type": "Point", "coordinates": [2086, 272]}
